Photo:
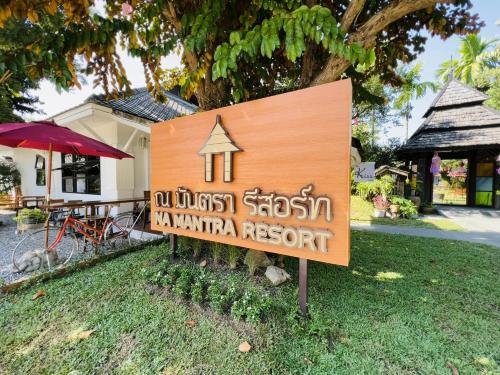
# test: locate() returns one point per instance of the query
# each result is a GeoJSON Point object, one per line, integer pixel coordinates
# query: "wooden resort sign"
{"type": "Point", "coordinates": [271, 174]}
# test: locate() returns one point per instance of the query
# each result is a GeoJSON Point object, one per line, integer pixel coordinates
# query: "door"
{"type": "Point", "coordinates": [485, 183]}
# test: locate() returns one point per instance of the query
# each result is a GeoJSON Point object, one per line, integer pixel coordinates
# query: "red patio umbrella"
{"type": "Point", "coordinates": [46, 135]}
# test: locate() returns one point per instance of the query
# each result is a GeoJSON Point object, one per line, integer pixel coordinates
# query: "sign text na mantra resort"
{"type": "Point", "coordinates": [272, 174]}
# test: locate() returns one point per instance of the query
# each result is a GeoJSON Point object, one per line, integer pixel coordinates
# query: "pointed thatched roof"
{"type": "Point", "coordinates": [456, 119]}
{"type": "Point", "coordinates": [456, 93]}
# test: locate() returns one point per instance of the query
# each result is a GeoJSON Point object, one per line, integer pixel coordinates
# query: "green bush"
{"type": "Point", "coordinates": [28, 215]}
{"type": "Point", "coordinates": [216, 297]}
{"type": "Point", "coordinates": [199, 288]}
{"type": "Point", "coordinates": [224, 295]}
{"type": "Point", "coordinates": [233, 255]}
{"type": "Point", "coordinates": [217, 252]}
{"type": "Point", "coordinates": [380, 186]}
{"type": "Point", "coordinates": [182, 286]}
{"type": "Point", "coordinates": [171, 276]}
{"type": "Point", "coordinates": [197, 247]}
{"type": "Point", "coordinates": [251, 306]}
{"type": "Point", "coordinates": [184, 248]}
{"type": "Point", "coordinates": [221, 297]}
{"type": "Point", "coordinates": [406, 207]}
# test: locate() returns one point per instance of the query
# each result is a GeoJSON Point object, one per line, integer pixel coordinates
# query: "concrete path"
{"type": "Point", "coordinates": [473, 219]}
{"type": "Point", "coordinates": [478, 236]}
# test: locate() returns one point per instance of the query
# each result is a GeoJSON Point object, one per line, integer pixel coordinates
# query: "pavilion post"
{"type": "Point", "coordinates": [47, 199]}
{"type": "Point", "coordinates": [303, 286]}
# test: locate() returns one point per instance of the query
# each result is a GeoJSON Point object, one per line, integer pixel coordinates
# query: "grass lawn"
{"type": "Point", "coordinates": [362, 210]}
{"type": "Point", "coordinates": [406, 305]}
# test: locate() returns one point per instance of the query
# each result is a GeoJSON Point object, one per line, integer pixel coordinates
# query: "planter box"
{"type": "Point", "coordinates": [22, 227]}
{"type": "Point", "coordinates": [394, 208]}
{"type": "Point", "coordinates": [378, 213]}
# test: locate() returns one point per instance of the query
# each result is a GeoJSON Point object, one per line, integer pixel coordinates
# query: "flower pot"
{"type": "Point", "coordinates": [24, 226]}
{"type": "Point", "coordinates": [394, 208]}
{"type": "Point", "coordinates": [428, 210]}
{"type": "Point", "coordinates": [378, 213]}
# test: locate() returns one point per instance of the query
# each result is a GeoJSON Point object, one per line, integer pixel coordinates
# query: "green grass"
{"type": "Point", "coordinates": [405, 305]}
{"type": "Point", "coordinates": [362, 210]}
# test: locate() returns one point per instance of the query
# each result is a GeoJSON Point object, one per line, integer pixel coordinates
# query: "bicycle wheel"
{"type": "Point", "coordinates": [30, 254]}
{"type": "Point", "coordinates": [117, 233]}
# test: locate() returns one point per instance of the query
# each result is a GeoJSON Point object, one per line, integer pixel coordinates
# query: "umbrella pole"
{"type": "Point", "coordinates": [47, 199]}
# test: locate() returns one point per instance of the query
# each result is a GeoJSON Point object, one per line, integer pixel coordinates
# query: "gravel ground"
{"type": "Point", "coordinates": [9, 240]}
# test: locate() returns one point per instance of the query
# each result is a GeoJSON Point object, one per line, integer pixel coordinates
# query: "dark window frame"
{"type": "Point", "coordinates": [79, 169]}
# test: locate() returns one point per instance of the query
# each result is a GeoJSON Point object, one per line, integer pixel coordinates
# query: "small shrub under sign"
{"type": "Point", "coordinates": [225, 294]}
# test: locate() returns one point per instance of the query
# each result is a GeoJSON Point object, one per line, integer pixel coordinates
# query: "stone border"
{"type": "Point", "coordinates": [70, 268]}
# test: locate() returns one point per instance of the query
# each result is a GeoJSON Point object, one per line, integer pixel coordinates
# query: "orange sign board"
{"type": "Point", "coordinates": [271, 174]}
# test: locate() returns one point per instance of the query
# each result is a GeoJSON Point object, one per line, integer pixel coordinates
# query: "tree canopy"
{"type": "Point", "coordinates": [15, 85]}
{"type": "Point", "coordinates": [232, 50]}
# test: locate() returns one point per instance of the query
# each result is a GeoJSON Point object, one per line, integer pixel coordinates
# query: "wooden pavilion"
{"type": "Point", "coordinates": [457, 126]}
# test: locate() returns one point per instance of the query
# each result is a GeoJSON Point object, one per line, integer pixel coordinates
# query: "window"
{"type": "Point", "coordinates": [40, 170]}
{"type": "Point", "coordinates": [81, 174]}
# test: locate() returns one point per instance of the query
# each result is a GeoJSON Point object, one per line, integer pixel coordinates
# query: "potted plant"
{"type": "Point", "coordinates": [380, 204]}
{"type": "Point", "coordinates": [28, 219]}
{"type": "Point", "coordinates": [394, 207]}
{"type": "Point", "coordinates": [407, 208]}
{"type": "Point", "coordinates": [428, 209]}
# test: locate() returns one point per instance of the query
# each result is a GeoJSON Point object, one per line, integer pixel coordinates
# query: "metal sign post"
{"type": "Point", "coordinates": [303, 286]}
{"type": "Point", "coordinates": [173, 246]}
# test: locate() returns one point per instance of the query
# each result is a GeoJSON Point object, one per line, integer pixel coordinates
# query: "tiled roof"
{"type": "Point", "coordinates": [454, 139]}
{"type": "Point", "coordinates": [456, 119]}
{"type": "Point", "coordinates": [456, 93]}
{"type": "Point", "coordinates": [141, 104]}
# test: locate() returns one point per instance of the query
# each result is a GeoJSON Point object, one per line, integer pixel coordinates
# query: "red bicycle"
{"type": "Point", "coordinates": [30, 254]}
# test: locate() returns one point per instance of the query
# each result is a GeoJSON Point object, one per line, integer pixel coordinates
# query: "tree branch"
{"type": "Point", "coordinates": [367, 33]}
{"type": "Point", "coordinates": [352, 11]}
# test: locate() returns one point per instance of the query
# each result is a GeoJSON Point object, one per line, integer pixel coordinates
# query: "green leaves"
{"type": "Point", "coordinates": [234, 37]}
{"type": "Point", "coordinates": [198, 27]}
{"type": "Point", "coordinates": [288, 32]}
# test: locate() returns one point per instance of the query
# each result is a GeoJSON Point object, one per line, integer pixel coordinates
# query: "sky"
{"type": "Point", "coordinates": [436, 51]}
